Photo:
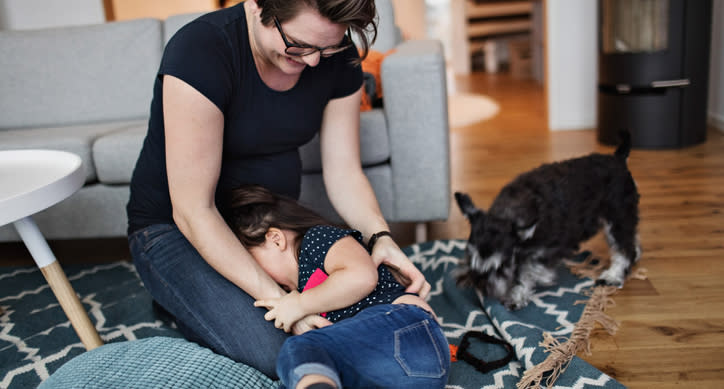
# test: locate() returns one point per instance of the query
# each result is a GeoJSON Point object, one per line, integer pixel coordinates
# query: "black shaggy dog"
{"type": "Point", "coordinates": [542, 217]}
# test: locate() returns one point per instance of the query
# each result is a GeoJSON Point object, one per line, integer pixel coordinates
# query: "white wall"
{"type": "Point", "coordinates": [410, 17]}
{"type": "Point", "coordinates": [30, 14]}
{"type": "Point", "coordinates": [572, 63]}
{"type": "Point", "coordinates": [716, 69]}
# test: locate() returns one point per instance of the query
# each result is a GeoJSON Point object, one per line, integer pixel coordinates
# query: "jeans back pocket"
{"type": "Point", "coordinates": [419, 352]}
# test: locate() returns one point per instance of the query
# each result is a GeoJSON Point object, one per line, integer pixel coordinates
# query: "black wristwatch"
{"type": "Point", "coordinates": [374, 237]}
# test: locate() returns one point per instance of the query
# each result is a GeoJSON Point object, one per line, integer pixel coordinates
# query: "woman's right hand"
{"type": "Point", "coordinates": [308, 323]}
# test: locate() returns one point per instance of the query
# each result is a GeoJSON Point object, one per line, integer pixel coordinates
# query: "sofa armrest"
{"type": "Point", "coordinates": [415, 105]}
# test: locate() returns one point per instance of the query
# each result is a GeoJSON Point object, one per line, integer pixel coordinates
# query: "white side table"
{"type": "Point", "coordinates": [31, 181]}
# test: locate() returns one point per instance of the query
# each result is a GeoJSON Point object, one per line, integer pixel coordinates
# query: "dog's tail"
{"type": "Point", "coordinates": [625, 147]}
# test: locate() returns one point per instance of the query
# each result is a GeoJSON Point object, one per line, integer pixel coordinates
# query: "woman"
{"type": "Point", "coordinates": [382, 336]}
{"type": "Point", "coordinates": [237, 92]}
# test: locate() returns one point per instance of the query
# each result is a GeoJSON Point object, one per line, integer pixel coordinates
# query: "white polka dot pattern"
{"type": "Point", "coordinates": [315, 245]}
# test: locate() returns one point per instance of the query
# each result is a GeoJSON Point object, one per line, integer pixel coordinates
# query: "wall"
{"type": "Point", "coordinates": [160, 9]}
{"type": "Point", "coordinates": [572, 63]}
{"type": "Point", "coordinates": [410, 17]}
{"type": "Point", "coordinates": [716, 74]}
{"type": "Point", "coordinates": [31, 14]}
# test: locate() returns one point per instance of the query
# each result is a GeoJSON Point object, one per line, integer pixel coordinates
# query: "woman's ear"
{"type": "Point", "coordinates": [253, 6]}
{"type": "Point", "coordinates": [276, 237]}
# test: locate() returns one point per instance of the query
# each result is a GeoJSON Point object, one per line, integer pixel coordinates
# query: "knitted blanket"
{"type": "Point", "coordinates": [38, 345]}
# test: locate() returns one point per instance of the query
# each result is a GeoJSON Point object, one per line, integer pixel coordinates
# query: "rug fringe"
{"type": "Point", "coordinates": [561, 352]}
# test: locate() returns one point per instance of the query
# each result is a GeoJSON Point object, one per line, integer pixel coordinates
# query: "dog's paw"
{"type": "Point", "coordinates": [514, 306]}
{"type": "Point", "coordinates": [609, 280]}
{"type": "Point", "coordinates": [519, 298]}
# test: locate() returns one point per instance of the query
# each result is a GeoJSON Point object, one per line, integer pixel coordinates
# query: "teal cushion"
{"type": "Point", "coordinates": [158, 362]}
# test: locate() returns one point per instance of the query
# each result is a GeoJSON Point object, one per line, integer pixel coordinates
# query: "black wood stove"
{"type": "Point", "coordinates": [653, 71]}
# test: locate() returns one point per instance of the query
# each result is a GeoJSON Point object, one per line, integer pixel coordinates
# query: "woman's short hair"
{"type": "Point", "coordinates": [359, 15]}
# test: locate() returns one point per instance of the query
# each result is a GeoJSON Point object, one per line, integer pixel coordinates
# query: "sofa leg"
{"type": "Point", "coordinates": [420, 232]}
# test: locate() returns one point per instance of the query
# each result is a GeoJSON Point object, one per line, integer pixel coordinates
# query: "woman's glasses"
{"type": "Point", "coordinates": [300, 50]}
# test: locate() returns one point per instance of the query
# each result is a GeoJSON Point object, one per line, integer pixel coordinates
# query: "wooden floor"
{"type": "Point", "coordinates": [672, 325]}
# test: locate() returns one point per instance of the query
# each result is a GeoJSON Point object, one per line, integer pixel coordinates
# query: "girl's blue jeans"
{"type": "Point", "coordinates": [209, 309]}
{"type": "Point", "coordinates": [384, 346]}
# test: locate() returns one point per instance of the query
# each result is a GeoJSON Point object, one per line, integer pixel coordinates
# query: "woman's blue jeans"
{"type": "Point", "coordinates": [384, 346]}
{"type": "Point", "coordinates": [209, 309]}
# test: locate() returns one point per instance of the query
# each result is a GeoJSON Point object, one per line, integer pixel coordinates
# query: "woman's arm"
{"type": "Point", "coordinates": [351, 193]}
{"type": "Point", "coordinates": [352, 277]}
{"type": "Point", "coordinates": [348, 188]}
{"type": "Point", "coordinates": [194, 143]}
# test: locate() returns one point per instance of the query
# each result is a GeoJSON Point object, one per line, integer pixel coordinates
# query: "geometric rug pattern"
{"type": "Point", "coordinates": [555, 310]}
{"type": "Point", "coordinates": [36, 338]}
{"type": "Point", "coordinates": [35, 335]}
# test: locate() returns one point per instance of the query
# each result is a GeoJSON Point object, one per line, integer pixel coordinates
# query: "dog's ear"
{"type": "Point", "coordinates": [525, 233]}
{"type": "Point", "coordinates": [465, 203]}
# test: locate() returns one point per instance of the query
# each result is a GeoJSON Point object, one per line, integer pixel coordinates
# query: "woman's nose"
{"type": "Point", "coordinates": [312, 59]}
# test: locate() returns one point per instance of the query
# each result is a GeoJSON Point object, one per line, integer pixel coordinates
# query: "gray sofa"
{"type": "Point", "coordinates": [87, 89]}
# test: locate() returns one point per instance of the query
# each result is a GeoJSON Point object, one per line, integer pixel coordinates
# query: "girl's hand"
{"type": "Point", "coordinates": [388, 253]}
{"type": "Point", "coordinates": [308, 323]}
{"type": "Point", "coordinates": [284, 311]}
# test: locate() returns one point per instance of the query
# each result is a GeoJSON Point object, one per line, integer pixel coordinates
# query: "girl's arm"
{"type": "Point", "coordinates": [194, 143]}
{"type": "Point", "coordinates": [352, 276]}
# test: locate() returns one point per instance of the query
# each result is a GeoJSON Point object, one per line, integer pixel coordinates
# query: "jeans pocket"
{"type": "Point", "coordinates": [154, 234]}
{"type": "Point", "coordinates": [418, 352]}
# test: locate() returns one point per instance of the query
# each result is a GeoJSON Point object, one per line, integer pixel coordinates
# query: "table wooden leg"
{"type": "Point", "coordinates": [71, 305]}
{"type": "Point", "coordinates": [56, 278]}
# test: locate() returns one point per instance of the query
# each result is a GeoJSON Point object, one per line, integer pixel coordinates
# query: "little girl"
{"type": "Point", "coordinates": [381, 336]}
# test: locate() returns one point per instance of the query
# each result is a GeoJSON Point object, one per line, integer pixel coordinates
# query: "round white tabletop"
{"type": "Point", "coordinates": [33, 180]}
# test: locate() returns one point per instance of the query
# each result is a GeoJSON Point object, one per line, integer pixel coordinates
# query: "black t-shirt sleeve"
{"type": "Point", "coordinates": [349, 75]}
{"type": "Point", "coordinates": [200, 55]}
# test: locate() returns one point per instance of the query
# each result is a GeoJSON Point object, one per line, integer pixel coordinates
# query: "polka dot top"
{"type": "Point", "coordinates": [315, 245]}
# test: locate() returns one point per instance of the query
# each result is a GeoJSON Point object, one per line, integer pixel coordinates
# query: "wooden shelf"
{"type": "Point", "coordinates": [496, 9]}
{"type": "Point", "coordinates": [498, 27]}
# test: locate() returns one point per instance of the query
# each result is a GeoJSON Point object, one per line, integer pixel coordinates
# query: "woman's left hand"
{"type": "Point", "coordinates": [387, 252]}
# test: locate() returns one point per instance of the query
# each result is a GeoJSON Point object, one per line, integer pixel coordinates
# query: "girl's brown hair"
{"type": "Point", "coordinates": [254, 209]}
{"type": "Point", "coordinates": [359, 15]}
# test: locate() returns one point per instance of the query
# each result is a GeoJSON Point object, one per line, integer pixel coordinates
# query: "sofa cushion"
{"type": "Point", "coordinates": [314, 195]}
{"type": "Point", "coordinates": [79, 74]}
{"type": "Point", "coordinates": [75, 139]}
{"type": "Point", "coordinates": [374, 143]}
{"type": "Point", "coordinates": [115, 154]}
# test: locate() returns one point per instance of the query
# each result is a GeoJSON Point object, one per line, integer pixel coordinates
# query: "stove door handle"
{"type": "Point", "coordinates": [671, 83]}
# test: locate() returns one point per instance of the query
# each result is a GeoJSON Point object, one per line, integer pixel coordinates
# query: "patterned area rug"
{"type": "Point", "coordinates": [36, 338]}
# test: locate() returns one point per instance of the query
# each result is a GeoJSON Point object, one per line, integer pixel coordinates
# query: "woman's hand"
{"type": "Point", "coordinates": [388, 253]}
{"type": "Point", "coordinates": [284, 311]}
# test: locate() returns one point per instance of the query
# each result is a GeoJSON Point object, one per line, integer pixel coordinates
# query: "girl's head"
{"type": "Point", "coordinates": [270, 226]}
{"type": "Point", "coordinates": [255, 209]}
{"type": "Point", "coordinates": [357, 15]}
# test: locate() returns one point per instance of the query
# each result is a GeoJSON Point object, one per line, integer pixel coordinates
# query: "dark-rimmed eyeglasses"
{"type": "Point", "coordinates": [300, 50]}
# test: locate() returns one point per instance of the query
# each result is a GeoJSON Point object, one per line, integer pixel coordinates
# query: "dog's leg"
{"type": "Point", "coordinates": [531, 274]}
{"type": "Point", "coordinates": [625, 252]}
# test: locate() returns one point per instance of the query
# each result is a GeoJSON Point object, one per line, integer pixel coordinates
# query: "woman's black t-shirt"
{"type": "Point", "coordinates": [263, 128]}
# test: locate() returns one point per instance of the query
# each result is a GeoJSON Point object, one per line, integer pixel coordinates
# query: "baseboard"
{"type": "Point", "coordinates": [716, 121]}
